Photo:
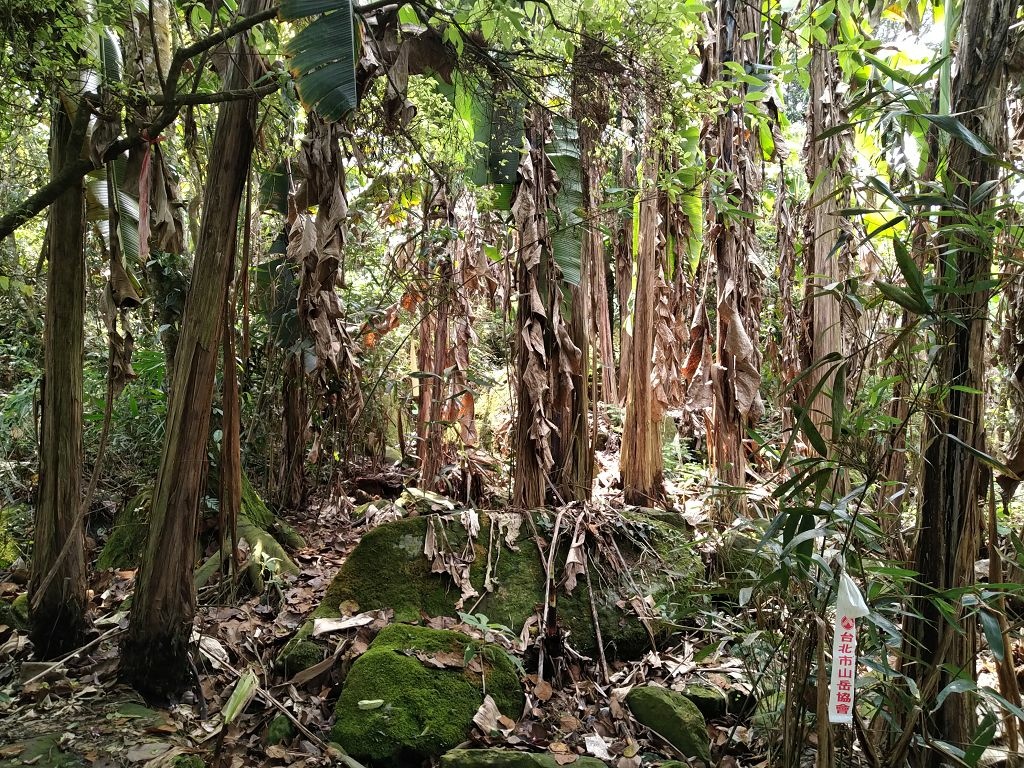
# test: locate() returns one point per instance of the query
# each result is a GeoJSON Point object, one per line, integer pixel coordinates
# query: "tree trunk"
{"type": "Point", "coordinates": [590, 106]}
{"type": "Point", "coordinates": [948, 535]}
{"type": "Point", "coordinates": [736, 376]}
{"type": "Point", "coordinates": [551, 441]}
{"type": "Point", "coordinates": [827, 257]}
{"type": "Point", "coordinates": [57, 586]}
{"type": "Point", "coordinates": [641, 460]}
{"type": "Point", "coordinates": [154, 655]}
{"type": "Point", "coordinates": [294, 432]}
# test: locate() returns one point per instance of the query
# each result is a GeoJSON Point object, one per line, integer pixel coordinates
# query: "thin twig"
{"type": "Point", "coordinates": [597, 624]}
{"type": "Point", "coordinates": [64, 659]}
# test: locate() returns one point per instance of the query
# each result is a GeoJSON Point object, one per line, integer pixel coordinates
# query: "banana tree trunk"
{"type": "Point", "coordinates": [736, 376]}
{"type": "Point", "coordinates": [641, 462]}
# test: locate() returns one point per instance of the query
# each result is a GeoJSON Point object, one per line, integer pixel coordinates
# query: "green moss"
{"type": "Point", "coordinates": [288, 536]}
{"type": "Point", "coordinates": [253, 506]}
{"type": "Point", "coordinates": [18, 612]}
{"type": "Point", "coordinates": [740, 562]}
{"type": "Point", "coordinates": [407, 586]}
{"type": "Point", "coordinates": [299, 654]}
{"type": "Point", "coordinates": [388, 570]}
{"type": "Point", "coordinates": [41, 751]}
{"type": "Point", "coordinates": [425, 711]}
{"type": "Point", "coordinates": [674, 717]}
{"type": "Point", "coordinates": [280, 730]}
{"type": "Point", "coordinates": [14, 519]}
{"type": "Point", "coordinates": [505, 758]}
{"type": "Point", "coordinates": [189, 761]}
{"type": "Point", "coordinates": [127, 539]}
{"type": "Point", "coordinates": [14, 613]}
{"type": "Point", "coordinates": [710, 701]}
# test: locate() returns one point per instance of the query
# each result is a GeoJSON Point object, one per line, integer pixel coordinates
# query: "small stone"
{"type": "Point", "coordinates": [674, 717]}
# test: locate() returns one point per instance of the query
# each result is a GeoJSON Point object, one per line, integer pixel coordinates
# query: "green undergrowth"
{"type": "Point", "coordinates": [15, 520]}
{"type": "Point", "coordinates": [265, 535]}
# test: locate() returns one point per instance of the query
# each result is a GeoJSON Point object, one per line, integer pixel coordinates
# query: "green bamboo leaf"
{"type": "Point", "coordinates": [910, 271]}
{"type": "Point", "coordinates": [900, 76]}
{"type": "Point", "coordinates": [955, 128]}
{"type": "Point", "coordinates": [993, 634]}
{"type": "Point", "coordinates": [814, 436]}
{"type": "Point", "coordinates": [245, 690]}
{"type": "Point", "coordinates": [984, 190]}
{"type": "Point", "coordinates": [900, 296]}
{"type": "Point", "coordinates": [960, 685]}
{"type": "Point", "coordinates": [989, 461]}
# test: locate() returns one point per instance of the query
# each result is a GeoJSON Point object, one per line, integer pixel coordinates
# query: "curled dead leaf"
{"type": "Point", "coordinates": [543, 690]}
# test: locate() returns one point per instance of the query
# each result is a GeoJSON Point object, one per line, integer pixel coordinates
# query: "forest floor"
{"type": "Point", "coordinates": [75, 712]}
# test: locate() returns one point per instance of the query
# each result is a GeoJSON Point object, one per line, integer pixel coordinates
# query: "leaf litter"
{"type": "Point", "coordinates": [572, 713]}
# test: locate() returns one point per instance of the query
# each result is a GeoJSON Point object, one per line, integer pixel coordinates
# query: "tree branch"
{"type": "Point", "coordinates": [183, 99]}
{"type": "Point", "coordinates": [171, 103]}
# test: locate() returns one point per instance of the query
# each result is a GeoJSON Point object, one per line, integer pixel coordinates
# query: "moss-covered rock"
{"type": "Point", "coordinates": [505, 758]}
{"type": "Point", "coordinates": [42, 751]}
{"type": "Point", "coordinates": [394, 710]}
{"type": "Point", "coordinates": [300, 653]}
{"type": "Point", "coordinates": [388, 570]}
{"type": "Point", "coordinates": [257, 525]}
{"type": "Point", "coordinates": [674, 717]}
{"type": "Point", "coordinates": [711, 702]}
{"type": "Point", "coordinates": [740, 562]}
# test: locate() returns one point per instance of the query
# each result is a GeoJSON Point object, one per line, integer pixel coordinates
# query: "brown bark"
{"type": "Point", "coordinates": [154, 655]}
{"type": "Point", "coordinates": [623, 252]}
{"type": "Point", "coordinates": [591, 111]}
{"type": "Point", "coordinates": [294, 432]}
{"type": "Point", "coordinates": [1011, 352]}
{"type": "Point", "coordinates": [551, 436]}
{"type": "Point", "coordinates": [58, 599]}
{"type": "Point", "coordinates": [230, 473]}
{"type": "Point", "coordinates": [794, 354]}
{"type": "Point", "coordinates": [827, 259]}
{"type": "Point", "coordinates": [641, 460]}
{"type": "Point", "coordinates": [736, 376]}
{"type": "Point", "coordinates": [947, 542]}
{"type": "Point", "coordinates": [433, 360]}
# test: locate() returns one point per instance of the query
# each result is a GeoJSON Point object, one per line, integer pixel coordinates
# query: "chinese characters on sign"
{"type": "Point", "coordinates": [849, 607]}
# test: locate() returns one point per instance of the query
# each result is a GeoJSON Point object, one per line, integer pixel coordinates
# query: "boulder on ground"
{"type": "Point", "coordinates": [412, 696]}
{"type": "Point", "coordinates": [674, 717]}
{"type": "Point", "coordinates": [388, 569]}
